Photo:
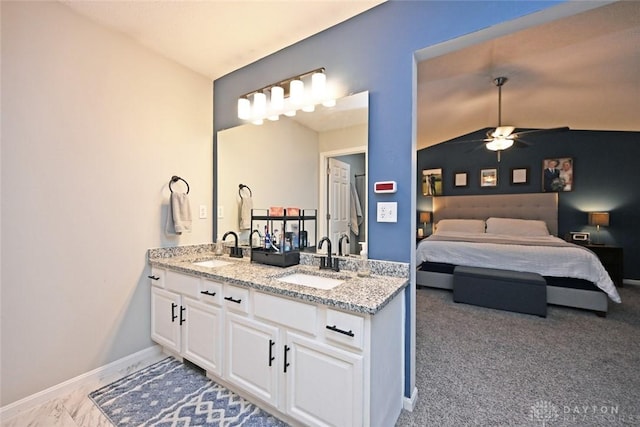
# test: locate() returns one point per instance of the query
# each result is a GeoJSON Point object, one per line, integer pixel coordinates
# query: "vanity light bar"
{"type": "Point", "coordinates": [286, 97]}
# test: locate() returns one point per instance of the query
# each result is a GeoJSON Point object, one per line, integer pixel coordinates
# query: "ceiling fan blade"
{"type": "Point", "coordinates": [502, 131]}
{"type": "Point", "coordinates": [470, 140]}
{"type": "Point", "coordinates": [477, 147]}
{"type": "Point", "coordinates": [521, 143]}
{"type": "Point", "coordinates": [540, 131]}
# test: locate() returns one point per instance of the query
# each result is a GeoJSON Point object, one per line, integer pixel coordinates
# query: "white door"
{"type": "Point", "coordinates": [251, 361]}
{"type": "Point", "coordinates": [165, 318]}
{"type": "Point", "coordinates": [339, 198]}
{"type": "Point", "coordinates": [324, 384]}
{"type": "Point", "coordinates": [202, 335]}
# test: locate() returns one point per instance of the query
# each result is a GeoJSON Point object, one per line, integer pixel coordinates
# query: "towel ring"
{"type": "Point", "coordinates": [240, 187]}
{"type": "Point", "coordinates": [176, 179]}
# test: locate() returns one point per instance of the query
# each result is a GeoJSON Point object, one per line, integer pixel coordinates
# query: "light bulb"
{"type": "Point", "coordinates": [318, 85]}
{"type": "Point", "coordinates": [296, 92]}
{"type": "Point", "coordinates": [244, 108]}
{"type": "Point", "coordinates": [259, 105]}
{"type": "Point", "coordinates": [499, 144]}
{"type": "Point", "coordinates": [277, 98]}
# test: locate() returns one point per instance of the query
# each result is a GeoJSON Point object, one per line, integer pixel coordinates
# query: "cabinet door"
{"type": "Point", "coordinates": [202, 335]}
{"type": "Point", "coordinates": [165, 318]}
{"type": "Point", "coordinates": [251, 361]}
{"type": "Point", "coordinates": [324, 384]}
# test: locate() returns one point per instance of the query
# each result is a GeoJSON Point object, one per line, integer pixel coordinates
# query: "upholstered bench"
{"type": "Point", "coordinates": [501, 289]}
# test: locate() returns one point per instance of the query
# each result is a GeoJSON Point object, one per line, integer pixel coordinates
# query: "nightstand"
{"type": "Point", "coordinates": [611, 258]}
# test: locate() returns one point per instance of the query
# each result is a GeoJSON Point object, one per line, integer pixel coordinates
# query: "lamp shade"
{"type": "Point", "coordinates": [425, 217]}
{"type": "Point", "coordinates": [599, 218]}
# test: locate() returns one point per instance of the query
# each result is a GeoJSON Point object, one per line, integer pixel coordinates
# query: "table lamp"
{"type": "Point", "coordinates": [425, 218]}
{"type": "Point", "coordinates": [598, 219]}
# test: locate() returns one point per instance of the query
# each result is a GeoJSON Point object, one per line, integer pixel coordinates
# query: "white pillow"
{"type": "Point", "coordinates": [517, 227]}
{"type": "Point", "coordinates": [460, 226]}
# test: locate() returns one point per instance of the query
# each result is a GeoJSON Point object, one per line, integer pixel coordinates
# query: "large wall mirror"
{"type": "Point", "coordinates": [315, 161]}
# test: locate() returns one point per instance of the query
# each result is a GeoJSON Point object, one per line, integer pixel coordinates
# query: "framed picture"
{"type": "Point", "coordinates": [557, 174]}
{"type": "Point", "coordinates": [489, 177]}
{"type": "Point", "coordinates": [460, 179]}
{"type": "Point", "coordinates": [519, 176]}
{"type": "Point", "coordinates": [432, 182]}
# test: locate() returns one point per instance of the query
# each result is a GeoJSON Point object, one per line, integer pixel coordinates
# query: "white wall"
{"type": "Point", "coordinates": [93, 127]}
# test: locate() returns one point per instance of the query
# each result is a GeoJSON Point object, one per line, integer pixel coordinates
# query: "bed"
{"type": "Point", "coordinates": [515, 232]}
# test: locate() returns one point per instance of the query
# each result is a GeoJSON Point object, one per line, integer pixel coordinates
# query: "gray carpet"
{"type": "Point", "coordinates": [484, 367]}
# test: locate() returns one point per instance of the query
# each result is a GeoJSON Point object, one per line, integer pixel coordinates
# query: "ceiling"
{"type": "Point", "coordinates": [216, 37]}
{"type": "Point", "coordinates": [582, 71]}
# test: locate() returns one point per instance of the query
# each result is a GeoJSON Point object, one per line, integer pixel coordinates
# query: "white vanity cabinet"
{"type": "Point", "coordinates": [309, 363]}
{"type": "Point", "coordinates": [186, 318]}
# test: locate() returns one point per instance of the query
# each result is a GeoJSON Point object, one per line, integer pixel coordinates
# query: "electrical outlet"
{"type": "Point", "coordinates": [387, 211]}
{"type": "Point", "coordinates": [203, 211]}
{"type": "Point", "coordinates": [220, 211]}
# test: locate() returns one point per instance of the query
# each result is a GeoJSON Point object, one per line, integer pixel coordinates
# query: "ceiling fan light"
{"type": "Point", "coordinates": [499, 144]}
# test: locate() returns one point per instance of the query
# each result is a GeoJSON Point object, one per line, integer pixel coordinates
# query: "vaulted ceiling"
{"type": "Point", "coordinates": [581, 71]}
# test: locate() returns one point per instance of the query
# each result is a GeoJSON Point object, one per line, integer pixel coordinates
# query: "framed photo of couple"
{"type": "Point", "coordinates": [557, 174]}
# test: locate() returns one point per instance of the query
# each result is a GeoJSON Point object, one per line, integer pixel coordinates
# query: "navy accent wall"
{"type": "Point", "coordinates": [606, 177]}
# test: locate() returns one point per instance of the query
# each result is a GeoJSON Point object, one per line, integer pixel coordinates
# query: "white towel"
{"type": "Point", "coordinates": [180, 212]}
{"type": "Point", "coordinates": [356, 211]}
{"type": "Point", "coordinates": [246, 204]}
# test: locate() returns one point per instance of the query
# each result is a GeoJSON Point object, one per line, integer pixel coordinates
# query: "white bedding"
{"type": "Point", "coordinates": [547, 256]}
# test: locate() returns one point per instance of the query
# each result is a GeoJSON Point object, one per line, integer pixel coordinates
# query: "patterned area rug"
{"type": "Point", "coordinates": [170, 393]}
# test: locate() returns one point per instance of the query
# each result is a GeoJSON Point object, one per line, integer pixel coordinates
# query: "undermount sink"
{"type": "Point", "coordinates": [211, 263]}
{"type": "Point", "coordinates": [312, 281]}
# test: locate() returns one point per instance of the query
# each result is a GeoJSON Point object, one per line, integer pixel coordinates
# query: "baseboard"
{"type": "Point", "coordinates": [409, 403]}
{"type": "Point", "coordinates": [631, 282]}
{"type": "Point", "coordinates": [59, 390]}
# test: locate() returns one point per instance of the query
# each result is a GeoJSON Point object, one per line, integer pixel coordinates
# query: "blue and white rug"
{"type": "Point", "coordinates": [169, 393]}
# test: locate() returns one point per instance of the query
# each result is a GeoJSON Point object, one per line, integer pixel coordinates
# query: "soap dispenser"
{"type": "Point", "coordinates": [363, 266]}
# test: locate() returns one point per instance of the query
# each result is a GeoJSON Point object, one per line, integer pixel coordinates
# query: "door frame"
{"type": "Point", "coordinates": [322, 190]}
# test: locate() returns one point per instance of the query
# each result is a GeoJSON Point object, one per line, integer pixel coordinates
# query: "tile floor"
{"type": "Point", "coordinates": [74, 409]}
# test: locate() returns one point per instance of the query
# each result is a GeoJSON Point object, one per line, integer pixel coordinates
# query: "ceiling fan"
{"type": "Point", "coordinates": [503, 137]}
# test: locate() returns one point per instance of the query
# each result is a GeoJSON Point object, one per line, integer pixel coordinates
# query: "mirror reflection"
{"type": "Point", "coordinates": [313, 161]}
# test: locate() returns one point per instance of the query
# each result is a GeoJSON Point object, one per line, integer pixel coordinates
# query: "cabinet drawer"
{"type": "Point", "coordinates": [292, 314]}
{"type": "Point", "coordinates": [345, 328]}
{"type": "Point", "coordinates": [156, 278]}
{"type": "Point", "coordinates": [211, 292]}
{"type": "Point", "coordinates": [182, 284]}
{"type": "Point", "coordinates": [236, 299]}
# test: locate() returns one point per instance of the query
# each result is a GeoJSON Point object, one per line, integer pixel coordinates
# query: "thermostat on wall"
{"type": "Point", "coordinates": [385, 187]}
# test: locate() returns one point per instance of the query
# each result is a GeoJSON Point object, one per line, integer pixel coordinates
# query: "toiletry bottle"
{"type": "Point", "coordinates": [219, 246]}
{"type": "Point", "coordinates": [267, 238]}
{"type": "Point", "coordinates": [294, 236]}
{"type": "Point", "coordinates": [363, 267]}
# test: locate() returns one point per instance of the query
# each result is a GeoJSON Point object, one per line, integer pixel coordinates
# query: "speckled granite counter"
{"type": "Point", "coordinates": [357, 294]}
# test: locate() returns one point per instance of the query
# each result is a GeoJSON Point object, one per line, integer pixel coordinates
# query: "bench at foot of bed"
{"type": "Point", "coordinates": [501, 289]}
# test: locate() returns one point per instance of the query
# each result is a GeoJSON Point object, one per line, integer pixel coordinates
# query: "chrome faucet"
{"type": "Point", "coordinates": [344, 236]}
{"type": "Point", "coordinates": [328, 263]}
{"type": "Point", "coordinates": [236, 252]}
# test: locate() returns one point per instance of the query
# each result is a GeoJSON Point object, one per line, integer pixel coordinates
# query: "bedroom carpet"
{"type": "Point", "coordinates": [484, 367]}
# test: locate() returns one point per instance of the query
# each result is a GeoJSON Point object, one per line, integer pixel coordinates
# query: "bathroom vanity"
{"type": "Point", "coordinates": [313, 347]}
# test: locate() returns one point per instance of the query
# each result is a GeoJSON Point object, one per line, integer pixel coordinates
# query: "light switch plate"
{"type": "Point", "coordinates": [387, 211]}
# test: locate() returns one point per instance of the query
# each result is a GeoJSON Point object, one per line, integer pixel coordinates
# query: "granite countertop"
{"type": "Point", "coordinates": [366, 295]}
